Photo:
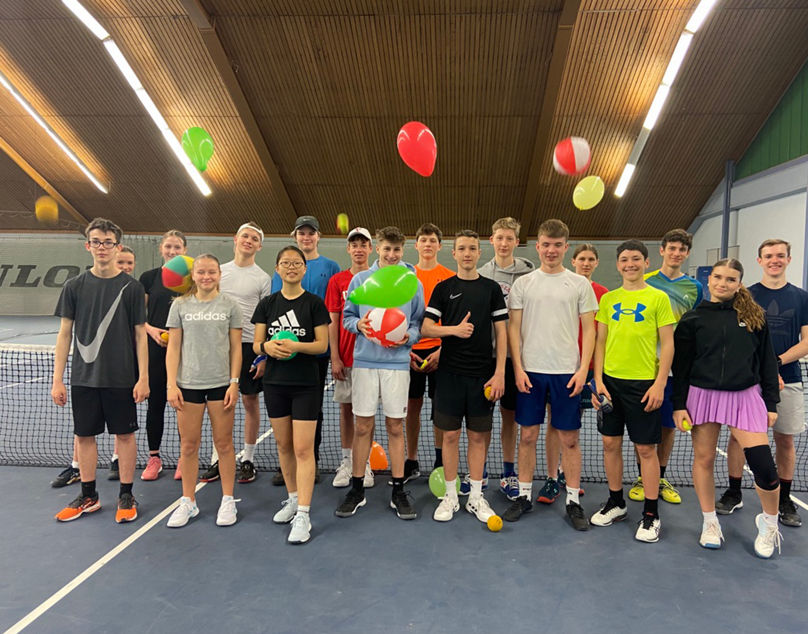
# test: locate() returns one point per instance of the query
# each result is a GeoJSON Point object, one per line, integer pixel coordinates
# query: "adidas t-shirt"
{"type": "Point", "coordinates": [300, 316]}
{"type": "Point", "coordinates": [634, 319]}
{"type": "Point", "coordinates": [105, 312]}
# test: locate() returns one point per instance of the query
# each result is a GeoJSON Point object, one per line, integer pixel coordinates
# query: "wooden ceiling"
{"type": "Point", "coordinates": [304, 100]}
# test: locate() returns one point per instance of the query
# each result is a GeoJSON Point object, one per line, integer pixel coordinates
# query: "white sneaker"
{"type": "Point", "coordinates": [343, 476]}
{"type": "Point", "coordinates": [608, 514]}
{"type": "Point", "coordinates": [446, 509]}
{"type": "Point", "coordinates": [227, 511]}
{"type": "Point", "coordinates": [287, 512]}
{"type": "Point", "coordinates": [711, 535]}
{"type": "Point", "coordinates": [479, 507]}
{"type": "Point", "coordinates": [768, 538]}
{"type": "Point", "coordinates": [648, 529]}
{"type": "Point", "coordinates": [184, 512]}
{"type": "Point", "coordinates": [370, 480]}
{"type": "Point", "coordinates": [301, 527]}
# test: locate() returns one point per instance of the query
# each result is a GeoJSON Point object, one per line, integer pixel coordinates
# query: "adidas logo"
{"type": "Point", "coordinates": [286, 322]}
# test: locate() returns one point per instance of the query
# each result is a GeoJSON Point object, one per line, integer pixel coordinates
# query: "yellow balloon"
{"type": "Point", "coordinates": [47, 211]}
{"type": "Point", "coordinates": [588, 192]}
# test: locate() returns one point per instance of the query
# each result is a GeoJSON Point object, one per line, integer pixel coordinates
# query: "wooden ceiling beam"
{"type": "Point", "coordinates": [566, 22]}
{"type": "Point", "coordinates": [40, 180]}
{"type": "Point", "coordinates": [200, 18]}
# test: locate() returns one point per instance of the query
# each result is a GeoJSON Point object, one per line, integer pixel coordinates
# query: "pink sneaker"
{"type": "Point", "coordinates": [153, 468]}
{"type": "Point", "coordinates": [178, 473]}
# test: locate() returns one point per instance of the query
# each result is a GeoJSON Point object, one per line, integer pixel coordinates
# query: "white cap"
{"type": "Point", "coordinates": [359, 231]}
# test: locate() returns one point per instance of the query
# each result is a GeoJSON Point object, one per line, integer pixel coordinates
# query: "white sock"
{"type": "Point", "coordinates": [572, 495]}
{"type": "Point", "coordinates": [451, 488]}
{"type": "Point", "coordinates": [214, 456]}
{"type": "Point", "coordinates": [249, 452]}
{"type": "Point", "coordinates": [293, 497]}
{"type": "Point", "coordinates": [771, 520]}
{"type": "Point", "coordinates": [193, 502]}
{"type": "Point", "coordinates": [526, 490]}
{"type": "Point", "coordinates": [114, 457]}
{"type": "Point", "coordinates": [303, 509]}
{"type": "Point", "coordinates": [75, 464]}
{"type": "Point", "coordinates": [226, 498]}
{"type": "Point", "coordinates": [709, 517]}
{"type": "Point", "coordinates": [476, 487]}
{"type": "Point", "coordinates": [347, 454]}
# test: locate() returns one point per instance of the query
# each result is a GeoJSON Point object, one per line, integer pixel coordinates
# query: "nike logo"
{"type": "Point", "coordinates": [90, 352]}
{"type": "Point", "coordinates": [455, 296]}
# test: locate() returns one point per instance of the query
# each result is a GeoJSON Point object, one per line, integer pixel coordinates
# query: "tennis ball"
{"type": "Point", "coordinates": [494, 523]}
{"type": "Point", "coordinates": [423, 365]}
{"type": "Point", "coordinates": [687, 425]}
{"type": "Point", "coordinates": [164, 336]}
{"type": "Point", "coordinates": [342, 223]}
{"type": "Point", "coordinates": [487, 392]}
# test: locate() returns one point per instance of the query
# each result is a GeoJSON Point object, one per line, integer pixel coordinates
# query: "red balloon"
{"type": "Point", "coordinates": [417, 147]}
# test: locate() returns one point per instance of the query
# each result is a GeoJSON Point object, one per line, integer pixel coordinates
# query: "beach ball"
{"type": "Point", "coordinates": [176, 273]}
{"type": "Point", "coordinates": [387, 325]}
{"type": "Point", "coordinates": [571, 156]}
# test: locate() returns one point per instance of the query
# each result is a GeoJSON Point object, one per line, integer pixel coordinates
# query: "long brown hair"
{"type": "Point", "coordinates": [749, 311]}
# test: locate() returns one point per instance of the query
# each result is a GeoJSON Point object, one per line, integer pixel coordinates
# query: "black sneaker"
{"type": "Point", "coordinates": [114, 473]}
{"type": "Point", "coordinates": [68, 476]}
{"type": "Point", "coordinates": [788, 514]}
{"type": "Point", "coordinates": [411, 471]}
{"type": "Point", "coordinates": [401, 503]}
{"type": "Point", "coordinates": [212, 474]}
{"type": "Point", "coordinates": [277, 479]}
{"type": "Point", "coordinates": [246, 472]}
{"type": "Point", "coordinates": [353, 500]}
{"type": "Point", "coordinates": [576, 514]}
{"type": "Point", "coordinates": [518, 507]}
{"type": "Point", "coordinates": [729, 502]}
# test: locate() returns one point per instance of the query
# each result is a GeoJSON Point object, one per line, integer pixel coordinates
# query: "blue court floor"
{"type": "Point", "coordinates": [376, 573]}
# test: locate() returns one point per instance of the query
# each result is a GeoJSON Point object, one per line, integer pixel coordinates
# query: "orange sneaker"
{"type": "Point", "coordinates": [78, 507]}
{"type": "Point", "coordinates": [127, 509]}
{"type": "Point", "coordinates": [153, 468]}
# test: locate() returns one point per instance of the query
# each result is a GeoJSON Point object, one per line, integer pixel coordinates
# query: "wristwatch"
{"type": "Point", "coordinates": [234, 380]}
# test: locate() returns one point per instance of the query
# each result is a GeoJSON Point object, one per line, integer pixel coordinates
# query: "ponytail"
{"type": "Point", "coordinates": [749, 311]}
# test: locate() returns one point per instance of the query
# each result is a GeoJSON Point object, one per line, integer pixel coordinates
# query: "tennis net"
{"type": "Point", "coordinates": [34, 431]}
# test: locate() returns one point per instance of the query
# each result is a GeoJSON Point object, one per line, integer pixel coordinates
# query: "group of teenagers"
{"type": "Point", "coordinates": [657, 357]}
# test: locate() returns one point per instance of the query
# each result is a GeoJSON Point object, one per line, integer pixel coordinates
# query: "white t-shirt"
{"type": "Point", "coordinates": [551, 307]}
{"type": "Point", "coordinates": [247, 285]}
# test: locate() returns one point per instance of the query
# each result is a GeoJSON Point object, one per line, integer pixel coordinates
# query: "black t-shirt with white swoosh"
{"type": "Point", "coordinates": [451, 301]}
{"type": "Point", "coordinates": [105, 312]}
{"type": "Point", "coordinates": [300, 316]}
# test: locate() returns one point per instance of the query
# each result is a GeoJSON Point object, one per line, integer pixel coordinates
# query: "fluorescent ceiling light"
{"type": "Point", "coordinates": [700, 15]}
{"type": "Point", "coordinates": [678, 57]}
{"type": "Point", "coordinates": [132, 79]}
{"type": "Point", "coordinates": [89, 21]}
{"type": "Point", "coordinates": [51, 133]}
{"type": "Point", "coordinates": [625, 177]}
{"type": "Point", "coordinates": [656, 107]}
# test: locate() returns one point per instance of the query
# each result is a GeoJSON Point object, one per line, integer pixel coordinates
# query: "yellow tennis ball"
{"type": "Point", "coordinates": [424, 364]}
{"type": "Point", "coordinates": [164, 336]}
{"type": "Point", "coordinates": [687, 425]}
{"type": "Point", "coordinates": [487, 393]}
{"type": "Point", "coordinates": [342, 223]}
{"type": "Point", "coordinates": [494, 523]}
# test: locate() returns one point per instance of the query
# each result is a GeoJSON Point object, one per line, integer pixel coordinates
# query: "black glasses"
{"type": "Point", "coordinates": [291, 264]}
{"type": "Point", "coordinates": [97, 244]}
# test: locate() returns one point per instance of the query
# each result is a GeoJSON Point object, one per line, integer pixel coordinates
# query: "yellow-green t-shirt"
{"type": "Point", "coordinates": [634, 319]}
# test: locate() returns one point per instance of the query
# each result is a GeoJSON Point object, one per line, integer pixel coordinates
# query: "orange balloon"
{"type": "Point", "coordinates": [378, 457]}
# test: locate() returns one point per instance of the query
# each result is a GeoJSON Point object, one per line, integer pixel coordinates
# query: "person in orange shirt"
{"type": "Point", "coordinates": [427, 242]}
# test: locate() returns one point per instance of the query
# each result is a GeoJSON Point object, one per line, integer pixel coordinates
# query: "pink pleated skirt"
{"type": "Point", "coordinates": [743, 410]}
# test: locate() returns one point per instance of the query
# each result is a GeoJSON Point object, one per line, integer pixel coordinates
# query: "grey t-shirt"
{"type": "Point", "coordinates": [105, 312]}
{"type": "Point", "coordinates": [205, 353]}
{"type": "Point", "coordinates": [247, 285]}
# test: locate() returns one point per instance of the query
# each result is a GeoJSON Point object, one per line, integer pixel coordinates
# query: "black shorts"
{"type": "Point", "coordinates": [418, 380]}
{"type": "Point", "coordinates": [508, 400]}
{"type": "Point", "coordinates": [247, 383]}
{"type": "Point", "coordinates": [301, 402]}
{"type": "Point", "coordinates": [459, 397]}
{"type": "Point", "coordinates": [93, 406]}
{"type": "Point", "coordinates": [644, 428]}
{"type": "Point", "coordinates": [190, 395]}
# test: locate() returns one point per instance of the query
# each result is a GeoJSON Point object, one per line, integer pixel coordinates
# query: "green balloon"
{"type": "Point", "coordinates": [387, 287]}
{"type": "Point", "coordinates": [437, 483]}
{"type": "Point", "coordinates": [285, 334]}
{"type": "Point", "coordinates": [198, 145]}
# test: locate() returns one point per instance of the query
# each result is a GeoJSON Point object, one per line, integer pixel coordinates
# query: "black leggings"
{"type": "Point", "coordinates": [322, 362]}
{"type": "Point", "coordinates": [155, 415]}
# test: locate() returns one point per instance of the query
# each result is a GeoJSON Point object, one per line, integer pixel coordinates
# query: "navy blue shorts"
{"type": "Point", "coordinates": [552, 389]}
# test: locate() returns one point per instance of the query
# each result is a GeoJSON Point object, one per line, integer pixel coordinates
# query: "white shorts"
{"type": "Point", "coordinates": [791, 410]}
{"type": "Point", "coordinates": [371, 384]}
{"type": "Point", "coordinates": [342, 389]}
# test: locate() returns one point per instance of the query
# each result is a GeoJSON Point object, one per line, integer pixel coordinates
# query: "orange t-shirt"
{"type": "Point", "coordinates": [429, 278]}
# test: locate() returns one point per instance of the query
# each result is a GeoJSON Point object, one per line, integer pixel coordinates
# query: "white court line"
{"type": "Point", "coordinates": [5, 387]}
{"type": "Point", "coordinates": [60, 594]}
{"type": "Point", "coordinates": [793, 497]}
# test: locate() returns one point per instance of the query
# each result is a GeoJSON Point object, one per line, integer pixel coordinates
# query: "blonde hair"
{"type": "Point", "coordinates": [506, 223]}
{"type": "Point", "coordinates": [749, 311]}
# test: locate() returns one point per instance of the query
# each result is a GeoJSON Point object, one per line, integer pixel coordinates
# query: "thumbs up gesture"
{"type": "Point", "coordinates": [465, 328]}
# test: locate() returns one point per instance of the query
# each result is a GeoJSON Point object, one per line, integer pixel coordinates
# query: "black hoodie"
{"type": "Point", "coordinates": [713, 351]}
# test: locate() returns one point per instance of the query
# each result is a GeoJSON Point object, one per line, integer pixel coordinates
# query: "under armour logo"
{"type": "Point", "coordinates": [637, 312]}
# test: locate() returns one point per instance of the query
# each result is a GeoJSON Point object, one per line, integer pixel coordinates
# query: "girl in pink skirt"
{"type": "Point", "coordinates": [725, 373]}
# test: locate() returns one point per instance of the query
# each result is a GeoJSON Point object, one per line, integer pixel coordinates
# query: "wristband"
{"type": "Point", "coordinates": [234, 380]}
